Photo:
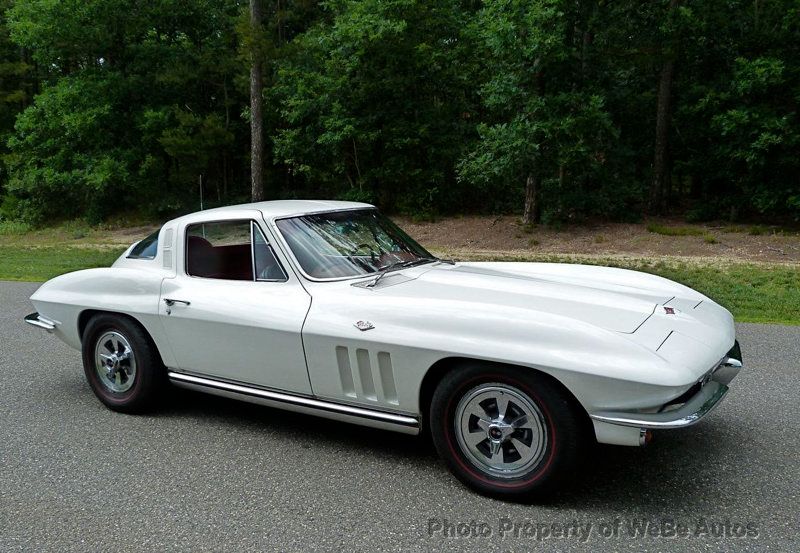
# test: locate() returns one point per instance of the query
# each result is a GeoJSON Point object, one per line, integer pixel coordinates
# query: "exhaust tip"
{"type": "Point", "coordinates": [645, 437]}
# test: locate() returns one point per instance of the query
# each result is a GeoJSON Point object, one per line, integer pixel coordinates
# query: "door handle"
{"type": "Point", "coordinates": [170, 302]}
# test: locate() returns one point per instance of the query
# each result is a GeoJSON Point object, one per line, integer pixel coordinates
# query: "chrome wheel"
{"type": "Point", "coordinates": [114, 362]}
{"type": "Point", "coordinates": [500, 430]}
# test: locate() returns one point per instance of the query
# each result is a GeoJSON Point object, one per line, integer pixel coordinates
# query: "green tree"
{"type": "Point", "coordinates": [376, 101]}
{"type": "Point", "coordinates": [737, 109]}
{"type": "Point", "coordinates": [17, 85]}
{"type": "Point", "coordinates": [136, 103]}
{"type": "Point", "coordinates": [554, 109]}
{"type": "Point", "coordinates": [547, 127]}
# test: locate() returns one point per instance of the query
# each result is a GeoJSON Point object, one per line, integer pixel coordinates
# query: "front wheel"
{"type": "Point", "coordinates": [504, 431]}
{"type": "Point", "coordinates": [121, 364]}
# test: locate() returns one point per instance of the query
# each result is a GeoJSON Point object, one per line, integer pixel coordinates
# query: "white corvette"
{"type": "Point", "coordinates": [329, 308]}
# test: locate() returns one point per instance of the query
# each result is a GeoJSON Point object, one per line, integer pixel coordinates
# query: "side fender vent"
{"type": "Point", "coordinates": [345, 371]}
{"type": "Point", "coordinates": [373, 375]}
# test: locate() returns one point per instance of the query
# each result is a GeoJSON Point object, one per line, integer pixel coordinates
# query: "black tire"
{"type": "Point", "coordinates": [560, 420]}
{"type": "Point", "coordinates": [139, 393]}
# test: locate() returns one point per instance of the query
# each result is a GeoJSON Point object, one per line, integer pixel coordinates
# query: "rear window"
{"type": "Point", "coordinates": [147, 248]}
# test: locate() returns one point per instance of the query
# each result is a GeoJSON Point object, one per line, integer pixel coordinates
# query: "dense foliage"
{"type": "Point", "coordinates": [558, 110]}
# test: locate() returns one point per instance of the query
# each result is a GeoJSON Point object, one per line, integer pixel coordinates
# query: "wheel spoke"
{"type": "Point", "coordinates": [474, 438]}
{"type": "Point", "coordinates": [483, 424]}
{"type": "Point", "coordinates": [520, 422]}
{"type": "Point", "coordinates": [523, 450]}
{"type": "Point", "coordinates": [477, 411]}
{"type": "Point", "coordinates": [502, 406]}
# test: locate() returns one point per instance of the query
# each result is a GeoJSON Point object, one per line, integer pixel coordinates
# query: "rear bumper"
{"type": "Point", "coordinates": [712, 388]}
{"type": "Point", "coordinates": [38, 321]}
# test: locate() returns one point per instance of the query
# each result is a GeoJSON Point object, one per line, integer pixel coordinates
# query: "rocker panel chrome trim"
{"type": "Point", "coordinates": [357, 415]}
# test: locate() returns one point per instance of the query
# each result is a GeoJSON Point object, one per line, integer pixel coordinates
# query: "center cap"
{"type": "Point", "coordinates": [495, 433]}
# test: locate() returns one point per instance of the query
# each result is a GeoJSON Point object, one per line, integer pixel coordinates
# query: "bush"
{"type": "Point", "coordinates": [13, 228]}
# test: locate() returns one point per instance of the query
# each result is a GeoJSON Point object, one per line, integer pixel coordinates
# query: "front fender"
{"type": "Point", "coordinates": [602, 368]}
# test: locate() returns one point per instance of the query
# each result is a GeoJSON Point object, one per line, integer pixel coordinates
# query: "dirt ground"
{"type": "Point", "coordinates": [507, 234]}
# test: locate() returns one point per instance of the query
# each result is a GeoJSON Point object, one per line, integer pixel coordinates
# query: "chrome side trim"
{"type": "Point", "coordinates": [690, 413]}
{"type": "Point", "coordinates": [41, 322]}
{"type": "Point", "coordinates": [337, 411]}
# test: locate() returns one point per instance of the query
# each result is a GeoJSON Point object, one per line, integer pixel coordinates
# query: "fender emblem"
{"type": "Point", "coordinates": [364, 325]}
{"type": "Point", "coordinates": [669, 310]}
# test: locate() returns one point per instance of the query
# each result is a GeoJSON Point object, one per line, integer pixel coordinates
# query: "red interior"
{"type": "Point", "coordinates": [225, 262]}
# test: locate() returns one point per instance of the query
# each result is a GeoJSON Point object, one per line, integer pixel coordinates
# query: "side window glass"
{"type": "Point", "coordinates": [219, 250]}
{"type": "Point", "coordinates": [147, 248]}
{"type": "Point", "coordinates": [266, 264]}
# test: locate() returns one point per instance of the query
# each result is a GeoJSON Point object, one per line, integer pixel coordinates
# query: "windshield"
{"type": "Point", "coordinates": [344, 244]}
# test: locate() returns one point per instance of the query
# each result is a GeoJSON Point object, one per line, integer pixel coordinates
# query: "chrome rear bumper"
{"type": "Point", "coordinates": [713, 388]}
{"type": "Point", "coordinates": [41, 322]}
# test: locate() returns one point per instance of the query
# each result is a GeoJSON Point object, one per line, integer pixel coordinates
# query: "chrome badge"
{"type": "Point", "coordinates": [364, 325]}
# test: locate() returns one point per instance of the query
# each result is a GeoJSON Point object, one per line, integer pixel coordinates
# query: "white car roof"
{"type": "Point", "coordinates": [272, 210]}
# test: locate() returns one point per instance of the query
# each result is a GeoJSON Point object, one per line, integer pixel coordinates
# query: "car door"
{"type": "Point", "coordinates": [233, 311]}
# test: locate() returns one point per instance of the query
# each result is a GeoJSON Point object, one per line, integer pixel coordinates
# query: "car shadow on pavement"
{"type": "Point", "coordinates": [678, 468]}
{"type": "Point", "coordinates": [189, 404]}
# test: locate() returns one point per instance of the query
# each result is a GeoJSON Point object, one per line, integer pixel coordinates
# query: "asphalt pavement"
{"type": "Point", "coordinates": [209, 474]}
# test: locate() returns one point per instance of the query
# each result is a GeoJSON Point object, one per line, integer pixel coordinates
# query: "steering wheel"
{"type": "Point", "coordinates": [372, 254]}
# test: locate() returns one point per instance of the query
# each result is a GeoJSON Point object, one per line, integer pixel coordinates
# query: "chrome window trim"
{"type": "Point", "coordinates": [271, 250]}
{"type": "Point", "coordinates": [252, 252]}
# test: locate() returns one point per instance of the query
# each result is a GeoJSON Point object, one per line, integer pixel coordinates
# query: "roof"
{"type": "Point", "coordinates": [275, 209]}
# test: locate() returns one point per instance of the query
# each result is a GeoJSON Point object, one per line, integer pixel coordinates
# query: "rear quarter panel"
{"type": "Point", "coordinates": [132, 292]}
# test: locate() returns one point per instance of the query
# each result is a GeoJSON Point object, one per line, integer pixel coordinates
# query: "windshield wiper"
{"type": "Point", "coordinates": [445, 261]}
{"type": "Point", "coordinates": [397, 265]}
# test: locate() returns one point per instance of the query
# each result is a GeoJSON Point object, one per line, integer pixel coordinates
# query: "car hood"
{"type": "Point", "coordinates": [613, 299]}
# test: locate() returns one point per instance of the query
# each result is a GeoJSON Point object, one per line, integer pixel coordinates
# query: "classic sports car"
{"type": "Point", "coordinates": [329, 308]}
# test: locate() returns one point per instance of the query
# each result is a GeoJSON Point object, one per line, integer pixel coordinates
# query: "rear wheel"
{"type": "Point", "coordinates": [504, 431]}
{"type": "Point", "coordinates": [121, 364]}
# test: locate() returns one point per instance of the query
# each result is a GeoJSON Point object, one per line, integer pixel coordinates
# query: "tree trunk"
{"type": "Point", "coordinates": [658, 187]}
{"type": "Point", "coordinates": [256, 111]}
{"type": "Point", "coordinates": [530, 215]}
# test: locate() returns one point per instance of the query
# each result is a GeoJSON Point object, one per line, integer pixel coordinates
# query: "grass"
{"type": "Point", "coordinates": [39, 263]}
{"type": "Point", "coordinates": [668, 230]}
{"type": "Point", "coordinates": [754, 230]}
